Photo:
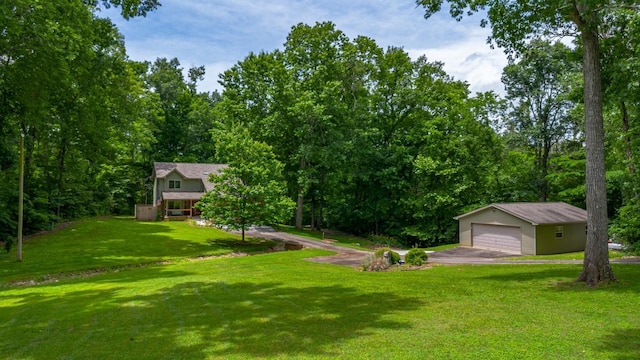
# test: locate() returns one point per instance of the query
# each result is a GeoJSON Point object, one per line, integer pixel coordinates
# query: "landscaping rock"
{"type": "Point", "coordinates": [290, 245]}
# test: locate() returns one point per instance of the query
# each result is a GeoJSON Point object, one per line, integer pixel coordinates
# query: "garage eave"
{"type": "Point", "coordinates": [494, 207]}
{"type": "Point", "coordinates": [537, 213]}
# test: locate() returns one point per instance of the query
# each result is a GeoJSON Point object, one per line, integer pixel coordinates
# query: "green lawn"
{"type": "Point", "coordinates": [116, 242]}
{"type": "Point", "coordinates": [613, 254]}
{"type": "Point", "coordinates": [278, 305]}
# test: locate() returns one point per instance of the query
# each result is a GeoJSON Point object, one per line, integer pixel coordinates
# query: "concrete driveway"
{"type": "Point", "coordinates": [353, 257]}
{"type": "Point", "coordinates": [344, 256]}
{"type": "Point", "coordinates": [467, 255]}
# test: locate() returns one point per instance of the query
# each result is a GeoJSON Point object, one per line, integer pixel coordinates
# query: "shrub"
{"type": "Point", "coordinates": [394, 257]}
{"type": "Point", "coordinates": [416, 257]}
{"type": "Point", "coordinates": [373, 263]}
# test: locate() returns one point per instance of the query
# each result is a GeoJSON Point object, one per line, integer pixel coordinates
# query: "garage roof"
{"type": "Point", "coordinates": [538, 213]}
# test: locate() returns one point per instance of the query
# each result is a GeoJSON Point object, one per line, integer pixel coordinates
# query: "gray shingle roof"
{"type": "Point", "coordinates": [539, 213]}
{"type": "Point", "coordinates": [182, 195]}
{"type": "Point", "coordinates": [188, 171]}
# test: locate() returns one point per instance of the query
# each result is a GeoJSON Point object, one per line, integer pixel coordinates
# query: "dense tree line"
{"type": "Point", "coordinates": [371, 141]}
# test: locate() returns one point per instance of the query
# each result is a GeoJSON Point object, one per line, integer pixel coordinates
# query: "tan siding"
{"type": "Point", "coordinates": [536, 240]}
{"type": "Point", "coordinates": [574, 239]}
{"type": "Point", "coordinates": [528, 239]}
{"type": "Point", "coordinates": [497, 217]}
{"type": "Point", "coordinates": [464, 227]}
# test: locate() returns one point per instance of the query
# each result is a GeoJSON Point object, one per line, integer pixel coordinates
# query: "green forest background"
{"type": "Point", "coordinates": [372, 141]}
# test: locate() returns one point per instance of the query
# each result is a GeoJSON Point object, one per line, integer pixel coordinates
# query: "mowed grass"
{"type": "Point", "coordinates": [579, 255]}
{"type": "Point", "coordinates": [279, 305]}
{"type": "Point", "coordinates": [111, 243]}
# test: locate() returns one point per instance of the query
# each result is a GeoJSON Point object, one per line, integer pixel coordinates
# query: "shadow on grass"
{"type": "Point", "coordinates": [623, 344]}
{"type": "Point", "coordinates": [116, 242]}
{"type": "Point", "coordinates": [198, 320]}
{"type": "Point", "coordinates": [563, 277]}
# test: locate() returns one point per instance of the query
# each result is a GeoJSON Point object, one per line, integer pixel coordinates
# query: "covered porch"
{"type": "Point", "coordinates": [180, 205]}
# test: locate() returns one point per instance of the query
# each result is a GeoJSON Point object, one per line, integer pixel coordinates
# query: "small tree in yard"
{"type": "Point", "coordinates": [251, 190]}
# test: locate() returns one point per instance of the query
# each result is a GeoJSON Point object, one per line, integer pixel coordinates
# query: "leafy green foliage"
{"type": "Point", "coordinates": [416, 257]}
{"type": "Point", "coordinates": [513, 24]}
{"type": "Point", "coordinates": [372, 142]}
{"type": "Point", "coordinates": [539, 92]}
{"type": "Point", "coordinates": [625, 229]}
{"type": "Point", "coordinates": [65, 84]}
{"type": "Point", "coordinates": [250, 191]}
{"type": "Point", "coordinates": [622, 105]}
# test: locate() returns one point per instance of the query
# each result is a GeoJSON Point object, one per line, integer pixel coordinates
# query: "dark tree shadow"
{"type": "Point", "coordinates": [218, 319]}
{"type": "Point", "coordinates": [563, 277]}
{"type": "Point", "coordinates": [99, 247]}
{"type": "Point", "coordinates": [623, 343]}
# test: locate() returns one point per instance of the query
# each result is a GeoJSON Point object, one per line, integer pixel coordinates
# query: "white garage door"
{"type": "Point", "coordinates": [495, 237]}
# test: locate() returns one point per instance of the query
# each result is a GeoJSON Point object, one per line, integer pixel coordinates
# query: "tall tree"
{"type": "Point", "coordinates": [295, 100]}
{"type": "Point", "coordinates": [349, 121]}
{"type": "Point", "coordinates": [513, 23]}
{"type": "Point", "coordinates": [621, 69]}
{"type": "Point", "coordinates": [538, 88]}
{"type": "Point", "coordinates": [65, 85]}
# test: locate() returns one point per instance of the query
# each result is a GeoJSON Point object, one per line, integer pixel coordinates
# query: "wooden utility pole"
{"type": "Point", "coordinates": [21, 197]}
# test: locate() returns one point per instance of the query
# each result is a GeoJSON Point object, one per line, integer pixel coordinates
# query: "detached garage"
{"type": "Point", "coordinates": [525, 228]}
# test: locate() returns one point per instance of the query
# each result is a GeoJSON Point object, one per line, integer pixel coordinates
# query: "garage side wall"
{"type": "Point", "coordinates": [574, 239]}
{"type": "Point", "coordinates": [496, 217]}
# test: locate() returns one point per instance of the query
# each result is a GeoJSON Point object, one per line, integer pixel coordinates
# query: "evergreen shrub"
{"type": "Point", "coordinates": [416, 257]}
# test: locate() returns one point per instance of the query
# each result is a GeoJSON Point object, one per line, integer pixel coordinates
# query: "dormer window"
{"type": "Point", "coordinates": [174, 184]}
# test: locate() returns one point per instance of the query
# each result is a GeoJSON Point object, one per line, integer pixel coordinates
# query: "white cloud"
{"type": "Point", "coordinates": [219, 34]}
{"type": "Point", "coordinates": [470, 60]}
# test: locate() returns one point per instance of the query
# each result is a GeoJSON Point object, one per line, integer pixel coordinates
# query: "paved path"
{"type": "Point", "coordinates": [455, 256]}
{"type": "Point", "coordinates": [344, 256]}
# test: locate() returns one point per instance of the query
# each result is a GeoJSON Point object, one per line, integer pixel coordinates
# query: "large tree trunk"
{"type": "Point", "coordinates": [596, 266]}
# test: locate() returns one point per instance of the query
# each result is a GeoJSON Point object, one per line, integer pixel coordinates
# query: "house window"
{"type": "Point", "coordinates": [174, 184]}
{"type": "Point", "coordinates": [559, 232]}
{"type": "Point", "coordinates": [174, 208]}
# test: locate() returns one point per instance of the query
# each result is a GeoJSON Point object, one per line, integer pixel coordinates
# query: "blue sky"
{"type": "Point", "coordinates": [218, 34]}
